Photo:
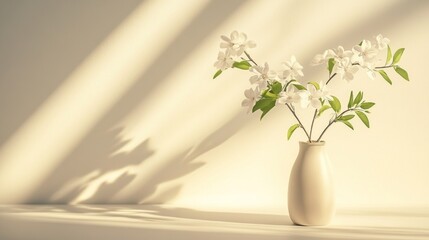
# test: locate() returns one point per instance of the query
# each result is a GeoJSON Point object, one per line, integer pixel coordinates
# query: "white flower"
{"type": "Point", "coordinates": [263, 76]}
{"type": "Point", "coordinates": [346, 69]}
{"type": "Point", "coordinates": [322, 58]}
{"type": "Point", "coordinates": [294, 96]}
{"type": "Point", "coordinates": [288, 96]}
{"type": "Point", "coordinates": [340, 53]}
{"type": "Point", "coordinates": [303, 98]}
{"type": "Point", "coordinates": [366, 52]}
{"type": "Point", "coordinates": [278, 76]}
{"type": "Point", "coordinates": [292, 69]}
{"type": "Point", "coordinates": [382, 42]}
{"type": "Point", "coordinates": [370, 70]}
{"type": "Point", "coordinates": [224, 61]}
{"type": "Point", "coordinates": [237, 43]}
{"type": "Point", "coordinates": [315, 96]}
{"type": "Point", "coordinates": [324, 91]}
{"type": "Point", "coordinates": [252, 95]}
{"type": "Point", "coordinates": [372, 74]}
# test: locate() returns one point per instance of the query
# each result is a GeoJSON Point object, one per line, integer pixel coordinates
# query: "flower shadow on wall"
{"type": "Point", "coordinates": [184, 164]}
{"type": "Point", "coordinates": [92, 173]}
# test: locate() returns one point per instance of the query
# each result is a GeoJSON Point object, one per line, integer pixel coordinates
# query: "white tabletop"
{"type": "Point", "coordinates": [168, 222]}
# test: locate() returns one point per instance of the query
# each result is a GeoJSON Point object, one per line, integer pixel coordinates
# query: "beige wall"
{"type": "Point", "coordinates": [108, 102]}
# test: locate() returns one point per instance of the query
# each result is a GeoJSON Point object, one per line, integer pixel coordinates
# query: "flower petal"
{"type": "Point", "coordinates": [315, 102]}
{"type": "Point", "coordinates": [225, 38]}
{"type": "Point", "coordinates": [254, 79]}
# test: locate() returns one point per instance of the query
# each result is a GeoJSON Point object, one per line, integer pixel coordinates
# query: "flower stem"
{"type": "Point", "coordinates": [389, 66]}
{"type": "Point", "coordinates": [331, 122]}
{"type": "Point", "coordinates": [250, 58]}
{"type": "Point", "coordinates": [331, 77]}
{"type": "Point", "coordinates": [312, 123]}
{"type": "Point", "coordinates": [290, 108]}
{"type": "Point", "coordinates": [302, 126]}
{"type": "Point", "coordinates": [315, 112]}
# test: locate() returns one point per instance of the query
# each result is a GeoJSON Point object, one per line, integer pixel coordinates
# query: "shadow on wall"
{"type": "Point", "coordinates": [95, 174]}
{"type": "Point", "coordinates": [92, 173]}
{"type": "Point", "coordinates": [45, 39]}
{"type": "Point", "coordinates": [183, 164]}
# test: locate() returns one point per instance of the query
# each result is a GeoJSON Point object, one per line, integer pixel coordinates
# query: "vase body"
{"type": "Point", "coordinates": [311, 189]}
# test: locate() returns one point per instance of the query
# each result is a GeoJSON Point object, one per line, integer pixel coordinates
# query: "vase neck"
{"type": "Point", "coordinates": [305, 146]}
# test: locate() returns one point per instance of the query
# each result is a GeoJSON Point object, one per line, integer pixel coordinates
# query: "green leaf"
{"type": "Point", "coordinates": [358, 98]}
{"type": "Point", "coordinates": [397, 56]}
{"type": "Point", "coordinates": [331, 63]}
{"type": "Point", "coordinates": [346, 117]}
{"type": "Point", "coordinates": [402, 72]}
{"type": "Point", "coordinates": [217, 73]}
{"type": "Point", "coordinates": [389, 55]}
{"type": "Point", "coordinates": [262, 103]}
{"type": "Point", "coordinates": [276, 87]}
{"type": "Point", "coordinates": [315, 84]}
{"type": "Point", "coordinates": [322, 109]}
{"type": "Point", "coordinates": [363, 117]}
{"type": "Point", "coordinates": [268, 94]}
{"type": "Point", "coordinates": [348, 124]}
{"type": "Point", "coordinates": [367, 105]}
{"type": "Point", "coordinates": [335, 104]}
{"type": "Point", "coordinates": [291, 130]}
{"type": "Point", "coordinates": [267, 108]}
{"type": "Point", "coordinates": [384, 75]}
{"type": "Point", "coordinates": [299, 87]}
{"type": "Point", "coordinates": [245, 65]}
{"type": "Point", "coordinates": [360, 44]}
{"type": "Point", "coordinates": [349, 105]}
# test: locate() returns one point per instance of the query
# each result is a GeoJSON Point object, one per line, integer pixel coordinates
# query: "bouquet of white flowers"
{"type": "Point", "coordinates": [288, 88]}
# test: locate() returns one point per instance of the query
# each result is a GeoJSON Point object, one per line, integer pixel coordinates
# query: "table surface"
{"type": "Point", "coordinates": [168, 222]}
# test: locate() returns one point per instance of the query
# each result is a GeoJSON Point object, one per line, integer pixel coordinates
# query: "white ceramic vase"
{"type": "Point", "coordinates": [311, 189]}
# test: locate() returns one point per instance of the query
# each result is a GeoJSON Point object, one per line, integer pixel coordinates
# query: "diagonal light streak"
{"type": "Point", "coordinates": [88, 93]}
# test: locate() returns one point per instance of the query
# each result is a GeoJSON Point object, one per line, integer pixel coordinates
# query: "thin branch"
{"type": "Point", "coordinates": [250, 58]}
{"type": "Point", "coordinates": [333, 121]}
{"type": "Point", "coordinates": [389, 66]}
{"type": "Point", "coordinates": [302, 126]}
{"type": "Point", "coordinates": [315, 112]}
{"type": "Point", "coordinates": [312, 123]}
{"type": "Point", "coordinates": [290, 108]}
{"type": "Point", "coordinates": [331, 77]}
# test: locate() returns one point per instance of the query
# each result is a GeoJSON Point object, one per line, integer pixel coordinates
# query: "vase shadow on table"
{"type": "Point", "coordinates": [264, 221]}
{"type": "Point", "coordinates": [155, 213]}
{"type": "Point", "coordinates": [235, 217]}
